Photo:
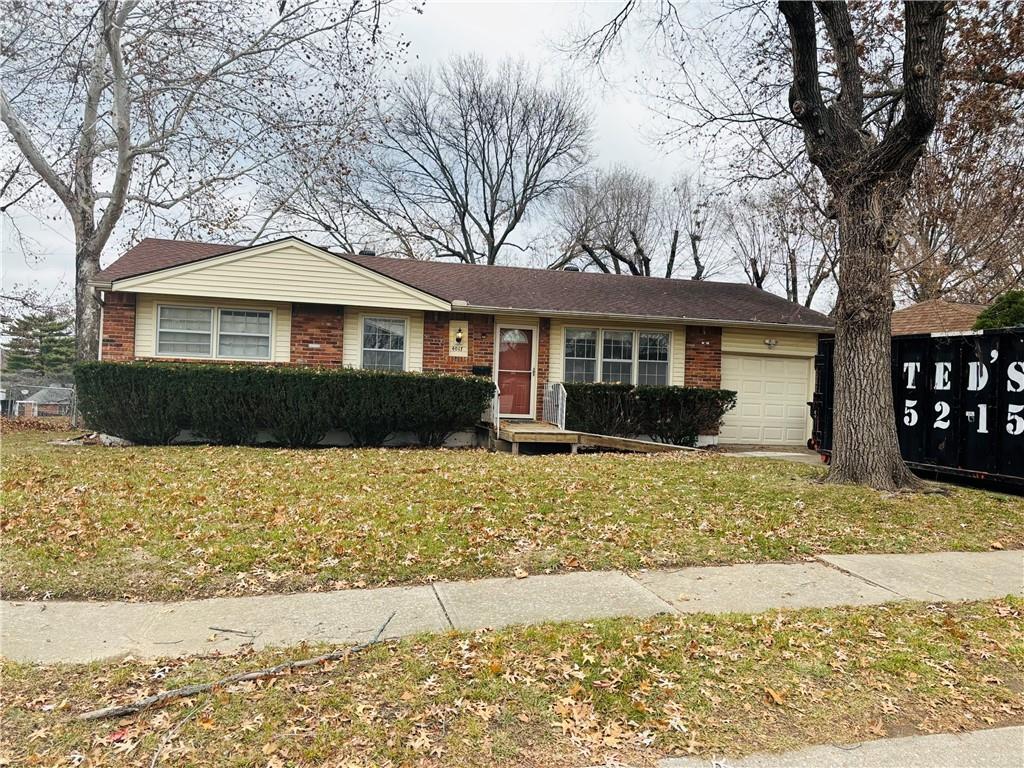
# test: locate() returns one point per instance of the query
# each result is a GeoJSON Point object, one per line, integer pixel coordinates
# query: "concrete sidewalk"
{"type": "Point", "coordinates": [49, 632]}
{"type": "Point", "coordinates": [994, 748]}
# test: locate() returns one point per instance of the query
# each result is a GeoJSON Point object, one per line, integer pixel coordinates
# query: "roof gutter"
{"type": "Point", "coordinates": [461, 306]}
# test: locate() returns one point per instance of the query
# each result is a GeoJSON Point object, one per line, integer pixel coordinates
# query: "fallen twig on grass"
{"type": "Point", "coordinates": [169, 736]}
{"type": "Point", "coordinates": [192, 690]}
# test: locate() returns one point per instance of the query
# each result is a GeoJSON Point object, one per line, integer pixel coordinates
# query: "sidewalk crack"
{"type": "Point", "coordinates": [847, 572]}
{"type": "Point", "coordinates": [669, 608]}
{"type": "Point", "coordinates": [444, 608]}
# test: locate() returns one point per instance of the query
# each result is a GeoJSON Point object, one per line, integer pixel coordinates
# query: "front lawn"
{"type": "Point", "coordinates": [553, 695]}
{"type": "Point", "coordinates": [184, 521]}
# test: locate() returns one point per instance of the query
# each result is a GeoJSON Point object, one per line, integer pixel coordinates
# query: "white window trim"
{"type": "Point", "coordinates": [635, 373]}
{"type": "Point", "coordinates": [633, 347]}
{"type": "Point", "coordinates": [363, 317]}
{"type": "Point", "coordinates": [215, 310]}
{"type": "Point", "coordinates": [270, 334]}
{"type": "Point", "coordinates": [636, 357]}
{"type": "Point", "coordinates": [597, 352]}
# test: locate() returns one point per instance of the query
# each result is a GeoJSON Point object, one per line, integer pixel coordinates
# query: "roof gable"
{"type": "Point", "coordinates": [284, 270]}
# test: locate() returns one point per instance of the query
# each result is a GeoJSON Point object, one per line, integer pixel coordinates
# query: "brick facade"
{"type": "Point", "coordinates": [480, 337]}
{"type": "Point", "coordinates": [703, 357]}
{"type": "Point", "coordinates": [118, 338]}
{"type": "Point", "coordinates": [317, 334]}
{"type": "Point", "coordinates": [543, 362]}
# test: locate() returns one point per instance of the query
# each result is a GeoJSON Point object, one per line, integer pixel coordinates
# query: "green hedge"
{"type": "Point", "coordinates": [150, 403]}
{"type": "Point", "coordinates": [667, 414]}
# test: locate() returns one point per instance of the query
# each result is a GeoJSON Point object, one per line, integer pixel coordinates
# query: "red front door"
{"type": "Point", "coordinates": [515, 371]}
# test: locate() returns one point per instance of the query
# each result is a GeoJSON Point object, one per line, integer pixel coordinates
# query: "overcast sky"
{"type": "Point", "coordinates": [624, 127]}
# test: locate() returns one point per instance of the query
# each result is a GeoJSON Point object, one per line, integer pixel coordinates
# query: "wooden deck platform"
{"type": "Point", "coordinates": [512, 434]}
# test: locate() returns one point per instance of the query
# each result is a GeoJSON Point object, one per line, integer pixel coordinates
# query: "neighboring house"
{"type": "Point", "coordinates": [935, 316]}
{"type": "Point", "coordinates": [291, 302]}
{"type": "Point", "coordinates": [48, 401]}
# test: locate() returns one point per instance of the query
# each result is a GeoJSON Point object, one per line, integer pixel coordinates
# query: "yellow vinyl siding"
{"type": "Point", "coordinates": [353, 335]}
{"type": "Point", "coordinates": [677, 353]}
{"type": "Point", "coordinates": [751, 342]}
{"type": "Point", "coordinates": [145, 321]}
{"type": "Point", "coordinates": [287, 271]}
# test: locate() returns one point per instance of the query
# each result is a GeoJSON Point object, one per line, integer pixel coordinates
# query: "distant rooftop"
{"type": "Point", "coordinates": [935, 316]}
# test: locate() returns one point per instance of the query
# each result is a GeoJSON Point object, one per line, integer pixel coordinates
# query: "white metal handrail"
{"type": "Point", "coordinates": [554, 404]}
{"type": "Point", "coordinates": [495, 417]}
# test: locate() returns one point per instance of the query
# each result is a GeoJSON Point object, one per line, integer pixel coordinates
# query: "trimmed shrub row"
{"type": "Point", "coordinates": [150, 403]}
{"type": "Point", "coordinates": [667, 414]}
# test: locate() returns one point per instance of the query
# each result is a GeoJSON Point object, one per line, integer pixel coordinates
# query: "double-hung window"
{"type": "Point", "coordinates": [384, 343]}
{"type": "Point", "coordinates": [244, 333]}
{"type": "Point", "coordinates": [615, 356]}
{"type": "Point", "coordinates": [581, 356]}
{"type": "Point", "coordinates": [184, 332]}
{"type": "Point", "coordinates": [652, 359]}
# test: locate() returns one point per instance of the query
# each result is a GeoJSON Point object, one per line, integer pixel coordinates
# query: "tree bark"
{"type": "Point", "coordinates": [865, 447]}
{"type": "Point", "coordinates": [87, 308]}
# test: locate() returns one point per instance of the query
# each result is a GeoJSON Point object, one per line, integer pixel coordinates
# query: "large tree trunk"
{"type": "Point", "coordinates": [87, 308]}
{"type": "Point", "coordinates": [865, 448]}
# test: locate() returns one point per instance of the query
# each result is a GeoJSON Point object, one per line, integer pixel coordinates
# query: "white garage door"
{"type": "Point", "coordinates": [771, 404]}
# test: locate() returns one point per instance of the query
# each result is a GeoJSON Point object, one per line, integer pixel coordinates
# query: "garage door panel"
{"type": "Point", "coordinates": [771, 402]}
{"type": "Point", "coordinates": [750, 367]}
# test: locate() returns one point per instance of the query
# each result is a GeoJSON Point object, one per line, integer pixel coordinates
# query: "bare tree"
{"type": "Point", "coordinates": [624, 222]}
{"type": "Point", "coordinates": [751, 240]}
{"type": "Point", "coordinates": [805, 239]}
{"type": "Point", "coordinates": [695, 211]}
{"type": "Point", "coordinates": [460, 155]}
{"type": "Point", "coordinates": [610, 218]}
{"type": "Point", "coordinates": [166, 111]}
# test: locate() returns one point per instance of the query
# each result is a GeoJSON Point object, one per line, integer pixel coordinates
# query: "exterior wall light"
{"type": "Point", "coordinates": [771, 343]}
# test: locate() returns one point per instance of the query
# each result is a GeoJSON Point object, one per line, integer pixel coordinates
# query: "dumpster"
{"type": "Point", "coordinates": [959, 403]}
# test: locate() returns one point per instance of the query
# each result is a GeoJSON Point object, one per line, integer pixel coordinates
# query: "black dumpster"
{"type": "Point", "coordinates": [959, 402]}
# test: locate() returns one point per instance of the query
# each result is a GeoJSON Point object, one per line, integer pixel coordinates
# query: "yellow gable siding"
{"type": "Point", "coordinates": [145, 321]}
{"type": "Point", "coordinates": [751, 342]}
{"type": "Point", "coordinates": [286, 271]}
{"type": "Point", "coordinates": [353, 335]}
{"type": "Point", "coordinates": [677, 354]}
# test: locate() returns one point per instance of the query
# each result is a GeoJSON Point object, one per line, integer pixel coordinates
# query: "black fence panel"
{"type": "Point", "coordinates": [959, 402]}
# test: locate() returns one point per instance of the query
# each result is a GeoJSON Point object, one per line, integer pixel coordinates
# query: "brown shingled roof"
{"type": "Point", "coordinates": [525, 289]}
{"type": "Point", "coordinates": [935, 316]}
{"type": "Point", "coordinates": [153, 254]}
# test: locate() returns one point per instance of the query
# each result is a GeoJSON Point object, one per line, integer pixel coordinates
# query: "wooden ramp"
{"type": "Point", "coordinates": [513, 434]}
